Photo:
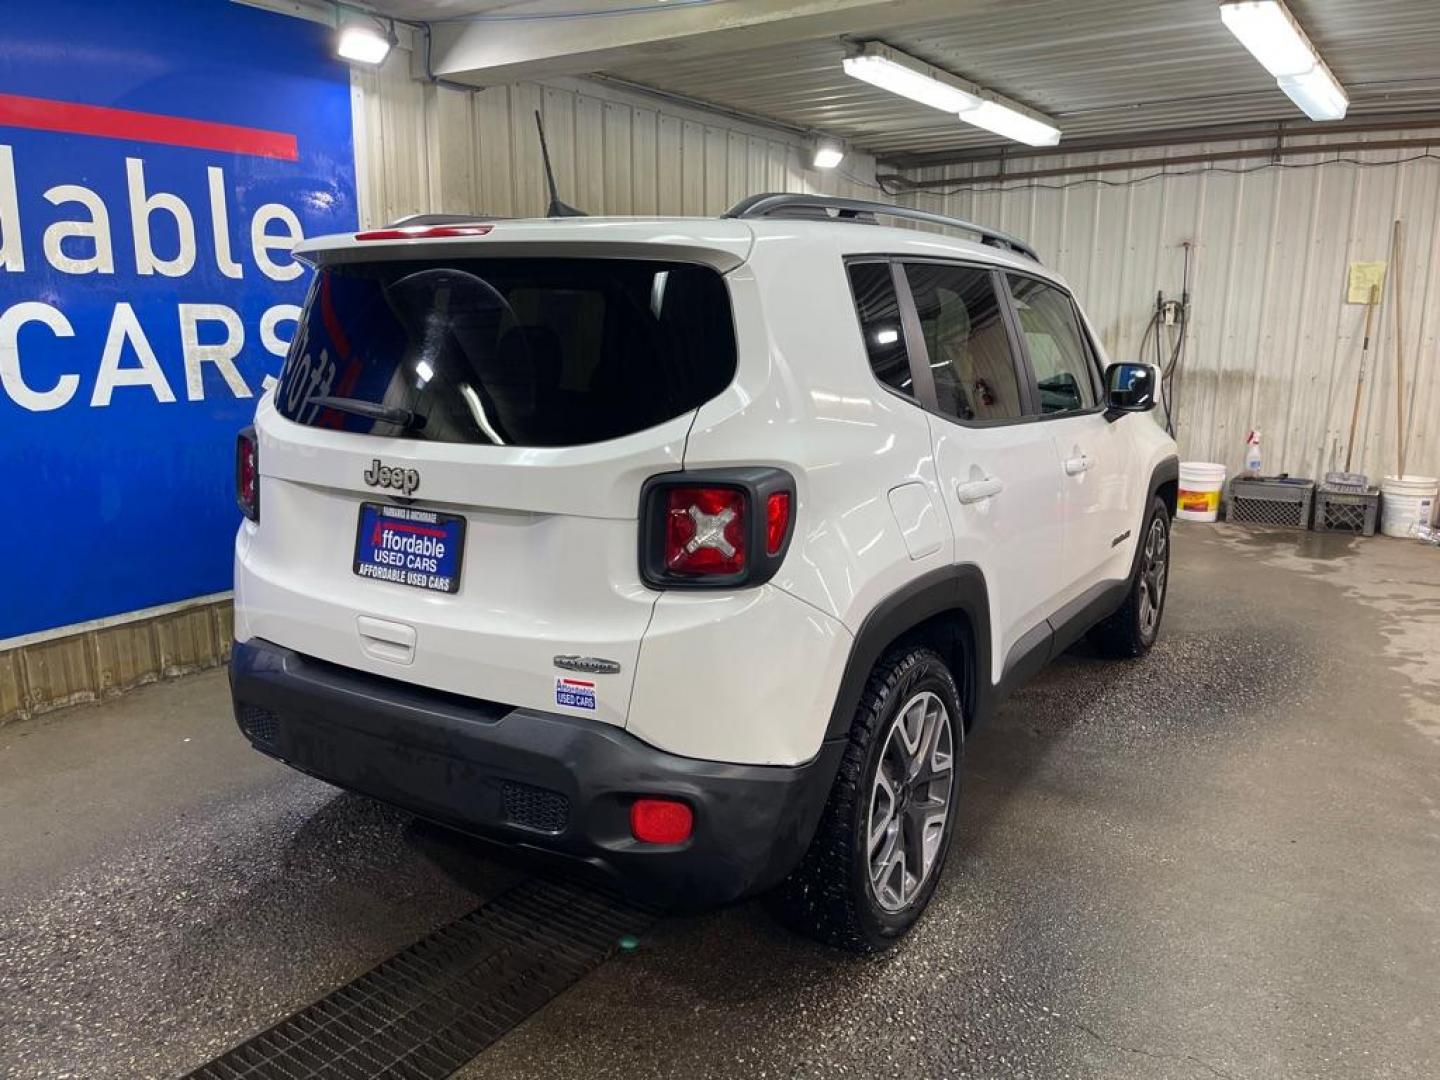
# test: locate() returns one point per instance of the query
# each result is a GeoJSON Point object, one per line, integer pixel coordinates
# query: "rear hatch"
{"type": "Point", "coordinates": [452, 460]}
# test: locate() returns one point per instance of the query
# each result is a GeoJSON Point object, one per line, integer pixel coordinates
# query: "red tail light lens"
{"type": "Point", "coordinates": [705, 530]}
{"type": "Point", "coordinates": [661, 821]}
{"type": "Point", "coordinates": [777, 521]}
{"type": "Point", "coordinates": [247, 474]}
{"type": "Point", "coordinates": [724, 528]}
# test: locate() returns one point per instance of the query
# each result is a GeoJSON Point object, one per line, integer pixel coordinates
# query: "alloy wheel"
{"type": "Point", "coordinates": [910, 800]}
{"type": "Point", "coordinates": [1154, 566]}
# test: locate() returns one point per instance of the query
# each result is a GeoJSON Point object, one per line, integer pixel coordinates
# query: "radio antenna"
{"type": "Point", "coordinates": [556, 207]}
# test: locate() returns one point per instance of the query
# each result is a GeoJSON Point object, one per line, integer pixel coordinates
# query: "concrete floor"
{"type": "Point", "coordinates": [1222, 861]}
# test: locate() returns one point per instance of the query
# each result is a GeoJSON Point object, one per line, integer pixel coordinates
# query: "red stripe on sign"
{"type": "Point", "coordinates": [42, 114]}
{"type": "Point", "coordinates": [422, 530]}
{"type": "Point", "coordinates": [578, 682]}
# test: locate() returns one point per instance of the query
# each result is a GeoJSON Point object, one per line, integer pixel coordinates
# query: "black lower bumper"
{"type": "Point", "coordinates": [538, 781]}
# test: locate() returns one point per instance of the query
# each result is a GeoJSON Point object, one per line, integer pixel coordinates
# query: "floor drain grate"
{"type": "Point", "coordinates": [431, 1008]}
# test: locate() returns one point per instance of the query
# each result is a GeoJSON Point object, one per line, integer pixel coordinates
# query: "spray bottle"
{"type": "Point", "coordinates": [1252, 455]}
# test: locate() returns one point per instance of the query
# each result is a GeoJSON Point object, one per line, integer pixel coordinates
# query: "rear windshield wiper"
{"type": "Point", "coordinates": [405, 418]}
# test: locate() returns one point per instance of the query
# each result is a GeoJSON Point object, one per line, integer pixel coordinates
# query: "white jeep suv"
{"type": "Point", "coordinates": [690, 550]}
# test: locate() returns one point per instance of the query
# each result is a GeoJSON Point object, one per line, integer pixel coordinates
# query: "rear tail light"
{"type": "Point", "coordinates": [715, 528]}
{"type": "Point", "coordinates": [661, 821]}
{"type": "Point", "coordinates": [247, 474]}
{"type": "Point", "coordinates": [777, 521]}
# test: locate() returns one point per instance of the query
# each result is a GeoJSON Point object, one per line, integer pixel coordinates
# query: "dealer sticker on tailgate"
{"type": "Point", "coordinates": [410, 547]}
{"type": "Point", "coordinates": [575, 693]}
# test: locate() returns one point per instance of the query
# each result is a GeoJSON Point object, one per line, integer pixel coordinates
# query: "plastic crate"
{"type": "Point", "coordinates": [1350, 483]}
{"type": "Point", "coordinates": [1346, 511]}
{"type": "Point", "coordinates": [1270, 500]}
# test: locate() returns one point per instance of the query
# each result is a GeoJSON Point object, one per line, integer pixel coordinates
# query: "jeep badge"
{"type": "Point", "coordinates": [392, 476]}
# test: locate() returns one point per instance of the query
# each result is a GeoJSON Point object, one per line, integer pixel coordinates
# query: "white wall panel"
{"type": "Point", "coordinates": [423, 148]}
{"type": "Point", "coordinates": [1272, 344]}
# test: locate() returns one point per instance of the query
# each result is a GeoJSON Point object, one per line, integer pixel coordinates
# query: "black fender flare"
{"type": "Point", "coordinates": [959, 588]}
{"type": "Point", "coordinates": [1166, 472]}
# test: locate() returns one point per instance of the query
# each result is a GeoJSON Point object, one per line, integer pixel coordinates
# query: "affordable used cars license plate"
{"type": "Point", "coordinates": [410, 547]}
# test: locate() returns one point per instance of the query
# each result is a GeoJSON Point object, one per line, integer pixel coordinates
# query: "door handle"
{"type": "Point", "coordinates": [1074, 466]}
{"type": "Point", "coordinates": [977, 490]}
{"type": "Point", "coordinates": [386, 640]}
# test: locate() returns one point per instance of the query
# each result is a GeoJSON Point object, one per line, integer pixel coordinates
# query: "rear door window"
{"type": "Point", "coordinates": [511, 352]}
{"type": "Point", "coordinates": [965, 336]}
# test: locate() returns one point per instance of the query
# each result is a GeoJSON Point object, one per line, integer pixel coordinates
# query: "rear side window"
{"type": "Point", "coordinates": [512, 352]}
{"type": "Point", "coordinates": [965, 336]}
{"type": "Point", "coordinates": [1058, 355]}
{"type": "Point", "coordinates": [879, 311]}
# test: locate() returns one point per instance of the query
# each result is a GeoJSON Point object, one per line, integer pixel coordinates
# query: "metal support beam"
{"type": "Point", "coordinates": [904, 185]}
{"type": "Point", "coordinates": [1268, 131]}
{"type": "Point", "coordinates": [485, 50]}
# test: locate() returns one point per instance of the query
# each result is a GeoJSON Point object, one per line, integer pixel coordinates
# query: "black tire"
{"type": "Point", "coordinates": [1131, 631]}
{"type": "Point", "coordinates": [830, 895]}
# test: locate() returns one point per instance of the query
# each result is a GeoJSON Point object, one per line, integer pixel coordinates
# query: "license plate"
{"type": "Point", "coordinates": [419, 548]}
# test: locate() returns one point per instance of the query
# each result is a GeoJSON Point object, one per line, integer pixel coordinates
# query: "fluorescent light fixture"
{"type": "Point", "coordinates": [1269, 31]}
{"type": "Point", "coordinates": [828, 154]}
{"type": "Point", "coordinates": [892, 70]}
{"type": "Point", "coordinates": [886, 337]}
{"type": "Point", "coordinates": [1012, 124]}
{"type": "Point", "coordinates": [362, 43]}
{"type": "Point", "coordinates": [1272, 35]}
{"type": "Point", "coordinates": [1317, 93]}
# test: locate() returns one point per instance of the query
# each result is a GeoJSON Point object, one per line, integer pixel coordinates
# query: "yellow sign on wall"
{"type": "Point", "coordinates": [1363, 277]}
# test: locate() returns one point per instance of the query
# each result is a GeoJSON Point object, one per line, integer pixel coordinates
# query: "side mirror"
{"type": "Point", "coordinates": [1130, 388]}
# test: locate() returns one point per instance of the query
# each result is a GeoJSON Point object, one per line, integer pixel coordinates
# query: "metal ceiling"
{"type": "Point", "coordinates": [501, 10]}
{"type": "Point", "coordinates": [1101, 67]}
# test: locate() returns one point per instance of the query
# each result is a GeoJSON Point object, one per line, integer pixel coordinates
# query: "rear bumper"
{"type": "Point", "coordinates": [532, 780]}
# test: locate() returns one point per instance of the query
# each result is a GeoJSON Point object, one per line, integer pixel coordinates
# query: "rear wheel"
{"type": "Point", "coordinates": [881, 844]}
{"type": "Point", "coordinates": [1132, 630]}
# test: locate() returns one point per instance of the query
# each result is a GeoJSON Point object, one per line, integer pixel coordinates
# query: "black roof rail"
{"type": "Point", "coordinates": [783, 205]}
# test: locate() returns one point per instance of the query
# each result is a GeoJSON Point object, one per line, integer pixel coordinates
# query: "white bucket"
{"type": "Point", "coordinates": [1200, 485]}
{"type": "Point", "coordinates": [1404, 500]}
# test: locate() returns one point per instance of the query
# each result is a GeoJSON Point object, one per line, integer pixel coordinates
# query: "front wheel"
{"type": "Point", "coordinates": [881, 844]}
{"type": "Point", "coordinates": [1132, 630]}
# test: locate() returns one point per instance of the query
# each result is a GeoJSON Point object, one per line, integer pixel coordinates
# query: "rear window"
{"type": "Point", "coordinates": [511, 352]}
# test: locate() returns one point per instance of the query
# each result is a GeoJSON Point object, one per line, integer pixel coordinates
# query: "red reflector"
{"type": "Point", "coordinates": [777, 521]}
{"type": "Point", "coordinates": [247, 475]}
{"type": "Point", "coordinates": [661, 821]}
{"type": "Point", "coordinates": [423, 232]}
{"type": "Point", "coordinates": [704, 530]}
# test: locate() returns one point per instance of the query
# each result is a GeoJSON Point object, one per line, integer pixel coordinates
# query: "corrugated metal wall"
{"type": "Point", "coordinates": [1272, 344]}
{"type": "Point", "coordinates": [429, 148]}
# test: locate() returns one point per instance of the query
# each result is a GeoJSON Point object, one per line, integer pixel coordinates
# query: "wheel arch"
{"type": "Point", "coordinates": [1165, 483]}
{"type": "Point", "coordinates": [947, 609]}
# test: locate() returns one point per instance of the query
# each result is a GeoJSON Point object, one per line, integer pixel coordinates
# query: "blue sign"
{"type": "Point", "coordinates": [158, 161]}
{"type": "Point", "coordinates": [409, 547]}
